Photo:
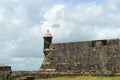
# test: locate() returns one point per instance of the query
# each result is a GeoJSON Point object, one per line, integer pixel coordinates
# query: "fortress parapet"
{"type": "Point", "coordinates": [98, 57]}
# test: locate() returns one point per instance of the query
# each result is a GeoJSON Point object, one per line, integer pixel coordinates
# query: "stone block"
{"type": "Point", "coordinates": [112, 42]}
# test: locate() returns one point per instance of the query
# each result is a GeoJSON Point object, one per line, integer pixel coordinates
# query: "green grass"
{"type": "Point", "coordinates": [84, 78]}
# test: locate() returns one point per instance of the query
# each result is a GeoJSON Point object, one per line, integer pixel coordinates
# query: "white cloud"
{"type": "Point", "coordinates": [107, 33]}
{"type": "Point", "coordinates": [24, 22]}
{"type": "Point", "coordinates": [1, 15]}
{"type": "Point", "coordinates": [16, 22]}
{"type": "Point", "coordinates": [84, 19]}
{"type": "Point", "coordinates": [35, 31]}
{"type": "Point", "coordinates": [52, 13]}
{"type": "Point", "coordinates": [16, 41]}
{"type": "Point", "coordinates": [71, 17]}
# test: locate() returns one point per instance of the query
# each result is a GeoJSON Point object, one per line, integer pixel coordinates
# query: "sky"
{"type": "Point", "coordinates": [23, 23]}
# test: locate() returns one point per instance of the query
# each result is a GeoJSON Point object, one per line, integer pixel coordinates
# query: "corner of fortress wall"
{"type": "Point", "coordinates": [100, 57]}
{"type": "Point", "coordinates": [5, 72]}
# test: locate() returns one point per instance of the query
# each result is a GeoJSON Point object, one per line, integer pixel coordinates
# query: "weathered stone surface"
{"type": "Point", "coordinates": [5, 72]}
{"type": "Point", "coordinates": [25, 78]}
{"type": "Point", "coordinates": [101, 57]}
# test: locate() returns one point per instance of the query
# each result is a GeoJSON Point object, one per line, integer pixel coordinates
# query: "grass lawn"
{"type": "Point", "coordinates": [84, 78]}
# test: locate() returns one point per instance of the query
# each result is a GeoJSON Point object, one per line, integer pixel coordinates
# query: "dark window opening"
{"type": "Point", "coordinates": [99, 43]}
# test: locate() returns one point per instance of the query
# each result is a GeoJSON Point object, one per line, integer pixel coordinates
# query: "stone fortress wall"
{"type": "Point", "coordinates": [100, 57]}
{"type": "Point", "coordinates": [5, 72]}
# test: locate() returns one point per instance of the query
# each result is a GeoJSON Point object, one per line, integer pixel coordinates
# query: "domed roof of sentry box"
{"type": "Point", "coordinates": [47, 34]}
